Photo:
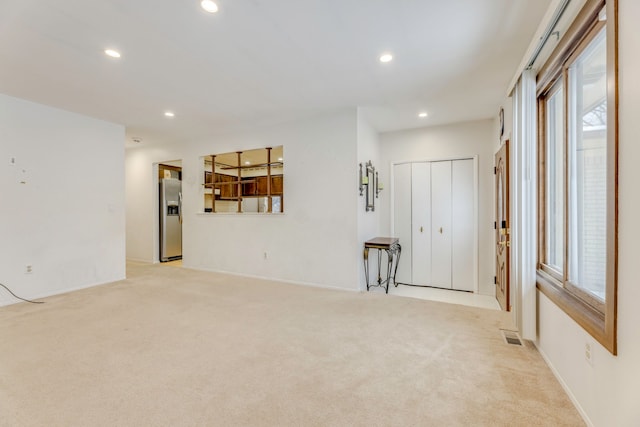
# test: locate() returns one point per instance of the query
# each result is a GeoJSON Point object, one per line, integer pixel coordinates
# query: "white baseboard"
{"type": "Point", "coordinates": [144, 261]}
{"type": "Point", "coordinates": [564, 385]}
{"type": "Point", "coordinates": [61, 292]}
{"type": "Point", "coordinates": [274, 279]}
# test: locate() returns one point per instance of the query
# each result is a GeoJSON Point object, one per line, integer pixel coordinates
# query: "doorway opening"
{"type": "Point", "coordinates": [169, 216]}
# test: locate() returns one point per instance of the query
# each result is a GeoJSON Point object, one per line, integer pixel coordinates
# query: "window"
{"type": "Point", "coordinates": [244, 181]}
{"type": "Point", "coordinates": [587, 146]}
{"type": "Point", "coordinates": [554, 214]}
{"type": "Point", "coordinates": [577, 229]}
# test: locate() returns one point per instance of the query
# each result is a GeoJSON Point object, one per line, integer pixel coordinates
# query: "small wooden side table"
{"type": "Point", "coordinates": [393, 249]}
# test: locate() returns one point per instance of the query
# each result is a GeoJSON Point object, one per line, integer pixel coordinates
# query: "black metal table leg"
{"type": "Point", "coordinates": [392, 248]}
{"type": "Point", "coordinates": [379, 263]}
{"type": "Point", "coordinates": [397, 262]}
{"type": "Point", "coordinates": [366, 265]}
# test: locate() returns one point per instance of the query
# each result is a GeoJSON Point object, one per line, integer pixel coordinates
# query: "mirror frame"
{"type": "Point", "coordinates": [371, 187]}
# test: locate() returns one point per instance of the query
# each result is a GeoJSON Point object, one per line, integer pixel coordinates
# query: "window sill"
{"type": "Point", "coordinates": [582, 313]}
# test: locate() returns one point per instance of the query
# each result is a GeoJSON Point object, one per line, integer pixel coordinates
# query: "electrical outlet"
{"type": "Point", "coordinates": [28, 269]}
{"type": "Point", "coordinates": [588, 354]}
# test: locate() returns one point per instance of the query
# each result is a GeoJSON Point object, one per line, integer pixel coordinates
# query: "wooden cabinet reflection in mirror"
{"type": "Point", "coordinates": [244, 181]}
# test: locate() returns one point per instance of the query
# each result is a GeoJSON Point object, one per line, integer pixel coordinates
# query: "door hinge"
{"type": "Point", "coordinates": [495, 280]}
{"type": "Point", "coordinates": [495, 225]}
{"type": "Point", "coordinates": [495, 170]}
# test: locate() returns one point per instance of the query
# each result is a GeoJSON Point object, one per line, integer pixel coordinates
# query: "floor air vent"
{"type": "Point", "coordinates": [511, 337]}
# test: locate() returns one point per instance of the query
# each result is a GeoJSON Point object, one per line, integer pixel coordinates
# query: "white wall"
{"type": "Point", "coordinates": [368, 222]}
{"type": "Point", "coordinates": [62, 203]}
{"type": "Point", "coordinates": [608, 391]}
{"type": "Point", "coordinates": [450, 141]}
{"type": "Point", "coordinates": [315, 241]}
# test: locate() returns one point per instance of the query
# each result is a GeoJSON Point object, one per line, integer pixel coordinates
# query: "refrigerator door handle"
{"type": "Point", "coordinates": [180, 207]}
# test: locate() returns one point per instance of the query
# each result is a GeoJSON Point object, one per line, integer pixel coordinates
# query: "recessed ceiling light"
{"type": "Point", "coordinates": [112, 53]}
{"type": "Point", "coordinates": [169, 114]}
{"type": "Point", "coordinates": [209, 6]}
{"type": "Point", "coordinates": [247, 162]}
{"type": "Point", "coordinates": [422, 115]}
{"type": "Point", "coordinates": [279, 159]}
{"type": "Point", "coordinates": [386, 57]}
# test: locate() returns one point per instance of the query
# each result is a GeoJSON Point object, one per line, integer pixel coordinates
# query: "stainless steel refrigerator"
{"type": "Point", "coordinates": [170, 219]}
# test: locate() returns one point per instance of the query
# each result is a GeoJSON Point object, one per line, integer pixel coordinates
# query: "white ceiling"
{"type": "Point", "coordinates": [264, 61]}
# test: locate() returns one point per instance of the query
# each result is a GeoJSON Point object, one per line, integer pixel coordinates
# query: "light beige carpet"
{"type": "Point", "coordinates": [175, 347]}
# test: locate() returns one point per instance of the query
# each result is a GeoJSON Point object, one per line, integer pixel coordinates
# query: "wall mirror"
{"type": "Point", "coordinates": [368, 185]}
{"type": "Point", "coordinates": [244, 181]}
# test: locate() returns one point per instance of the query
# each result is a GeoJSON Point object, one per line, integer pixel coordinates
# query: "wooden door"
{"type": "Point", "coordinates": [276, 184]}
{"type": "Point", "coordinates": [261, 185]}
{"type": "Point", "coordinates": [441, 230]}
{"type": "Point", "coordinates": [503, 230]}
{"type": "Point", "coordinates": [421, 245]}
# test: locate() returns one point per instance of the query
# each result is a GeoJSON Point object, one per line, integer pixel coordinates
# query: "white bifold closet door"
{"type": "Point", "coordinates": [402, 218]}
{"type": "Point", "coordinates": [434, 220]}
{"type": "Point", "coordinates": [420, 238]}
{"type": "Point", "coordinates": [441, 224]}
{"type": "Point", "coordinates": [462, 225]}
